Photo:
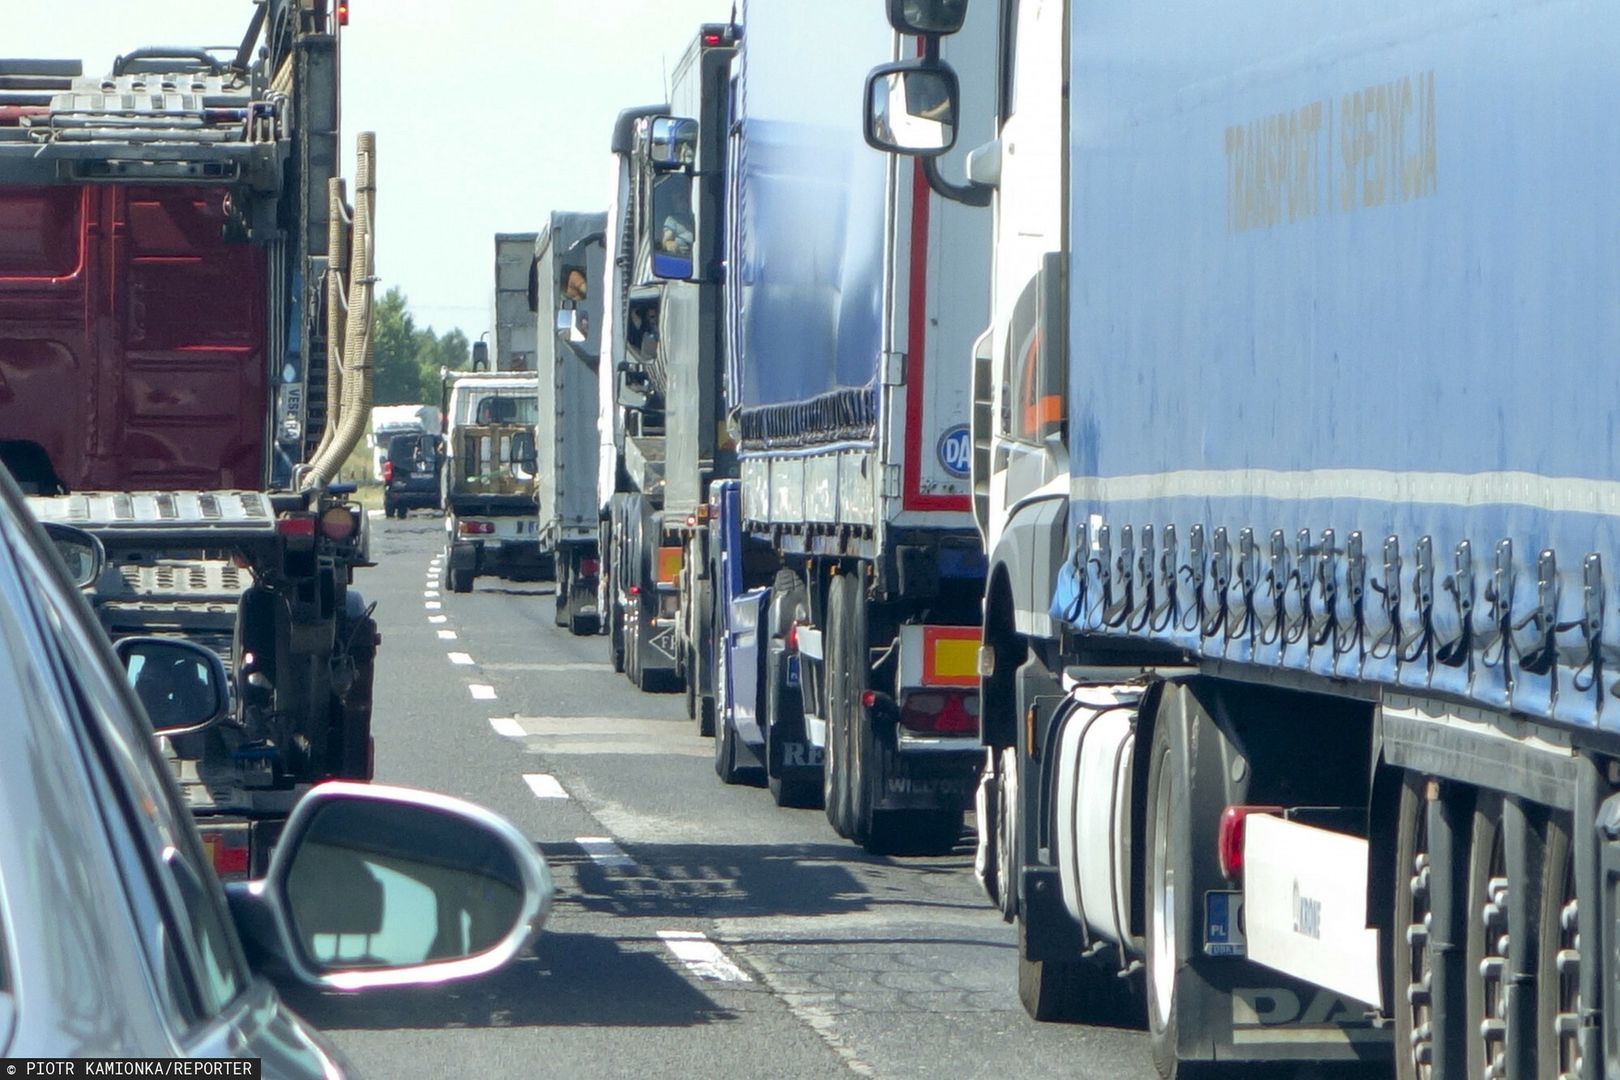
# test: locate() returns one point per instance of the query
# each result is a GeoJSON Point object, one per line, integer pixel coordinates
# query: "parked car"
{"type": "Point", "coordinates": [115, 936]}
{"type": "Point", "coordinates": [411, 473]}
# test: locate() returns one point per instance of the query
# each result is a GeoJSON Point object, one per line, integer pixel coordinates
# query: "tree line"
{"type": "Point", "coordinates": [407, 358]}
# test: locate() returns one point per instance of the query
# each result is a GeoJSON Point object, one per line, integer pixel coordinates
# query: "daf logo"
{"type": "Point", "coordinates": [956, 450]}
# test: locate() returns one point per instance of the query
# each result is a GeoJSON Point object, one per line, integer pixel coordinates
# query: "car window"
{"type": "Point", "coordinates": [199, 946]}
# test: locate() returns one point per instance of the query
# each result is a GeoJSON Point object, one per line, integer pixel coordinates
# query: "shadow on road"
{"type": "Point", "coordinates": [571, 980]}
{"type": "Point", "coordinates": [713, 881]}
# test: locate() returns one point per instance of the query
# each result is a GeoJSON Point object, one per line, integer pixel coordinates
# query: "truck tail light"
{"type": "Point", "coordinates": [388, 472]}
{"type": "Point", "coordinates": [790, 640]}
{"type": "Point", "coordinates": [230, 849]}
{"type": "Point", "coordinates": [1230, 837]}
{"type": "Point", "coordinates": [475, 528]}
{"type": "Point", "coordinates": [940, 712]}
{"type": "Point", "coordinates": [669, 564]}
{"type": "Point", "coordinates": [296, 526]}
{"type": "Point", "coordinates": [343, 12]}
{"type": "Point", "coordinates": [339, 523]}
{"type": "Point", "coordinates": [589, 567]}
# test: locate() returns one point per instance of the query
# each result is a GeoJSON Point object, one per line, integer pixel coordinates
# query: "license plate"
{"type": "Point", "coordinates": [1223, 924]}
{"type": "Point", "coordinates": [793, 671]}
{"type": "Point", "coordinates": [421, 476]}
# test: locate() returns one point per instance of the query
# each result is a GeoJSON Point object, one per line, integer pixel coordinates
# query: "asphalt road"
{"type": "Point", "coordinates": [698, 929]}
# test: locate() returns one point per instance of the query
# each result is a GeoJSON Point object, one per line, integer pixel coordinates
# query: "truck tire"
{"type": "Point", "coordinates": [783, 719]}
{"type": "Point", "coordinates": [461, 580]}
{"type": "Point", "coordinates": [615, 635]}
{"type": "Point", "coordinates": [1412, 928]}
{"type": "Point", "coordinates": [1190, 760]}
{"type": "Point", "coordinates": [1488, 895]}
{"type": "Point", "coordinates": [838, 678]}
{"type": "Point", "coordinates": [1005, 862]}
{"type": "Point", "coordinates": [562, 597]}
{"type": "Point", "coordinates": [1558, 984]}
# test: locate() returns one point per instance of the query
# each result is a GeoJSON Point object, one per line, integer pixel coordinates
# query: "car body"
{"type": "Point", "coordinates": [410, 474]}
{"type": "Point", "coordinates": [115, 936]}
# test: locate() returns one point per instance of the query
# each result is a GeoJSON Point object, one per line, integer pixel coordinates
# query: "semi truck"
{"type": "Point", "coordinates": [512, 330]}
{"type": "Point", "coordinates": [566, 283]}
{"type": "Point", "coordinates": [1293, 452]}
{"type": "Point", "coordinates": [185, 341]}
{"type": "Point", "coordinates": [662, 396]}
{"type": "Point", "coordinates": [848, 564]}
{"type": "Point", "coordinates": [491, 478]}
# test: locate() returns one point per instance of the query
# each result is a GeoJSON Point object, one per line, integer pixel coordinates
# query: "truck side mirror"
{"type": "Point", "coordinates": [572, 325]}
{"type": "Point", "coordinates": [672, 143]}
{"type": "Point", "coordinates": [911, 108]}
{"type": "Point", "coordinates": [674, 228]}
{"type": "Point", "coordinates": [927, 16]}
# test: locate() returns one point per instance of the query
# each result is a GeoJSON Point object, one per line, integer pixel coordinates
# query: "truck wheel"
{"type": "Point", "coordinates": [835, 766]}
{"type": "Point", "coordinates": [1007, 863]}
{"type": "Point", "coordinates": [1413, 923]}
{"type": "Point", "coordinates": [1558, 985]}
{"type": "Point", "coordinates": [783, 720]}
{"type": "Point", "coordinates": [461, 580]}
{"type": "Point", "coordinates": [615, 635]}
{"type": "Point", "coordinates": [1489, 894]}
{"type": "Point", "coordinates": [688, 675]}
{"type": "Point", "coordinates": [1166, 867]}
{"type": "Point", "coordinates": [1190, 761]}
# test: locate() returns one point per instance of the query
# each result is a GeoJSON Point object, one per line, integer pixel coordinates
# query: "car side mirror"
{"type": "Point", "coordinates": [372, 886]}
{"type": "Point", "coordinates": [927, 16]}
{"type": "Point", "coordinates": [181, 684]}
{"type": "Point", "coordinates": [911, 108]}
{"type": "Point", "coordinates": [672, 143]}
{"type": "Point", "coordinates": [81, 552]}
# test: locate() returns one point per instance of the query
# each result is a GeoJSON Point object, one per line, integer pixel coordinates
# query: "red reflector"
{"type": "Point", "coordinates": [296, 525]}
{"type": "Point", "coordinates": [1230, 837]}
{"type": "Point", "coordinates": [868, 699]}
{"type": "Point", "coordinates": [941, 712]}
{"type": "Point", "coordinates": [589, 567]}
{"type": "Point", "coordinates": [228, 851]}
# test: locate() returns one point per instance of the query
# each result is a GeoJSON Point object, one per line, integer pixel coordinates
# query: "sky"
{"type": "Point", "coordinates": [489, 114]}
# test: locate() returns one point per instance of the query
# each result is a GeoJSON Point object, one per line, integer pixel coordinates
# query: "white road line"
{"type": "Point", "coordinates": [481, 692]}
{"type": "Point", "coordinates": [702, 957]}
{"type": "Point", "coordinates": [507, 726]}
{"type": "Point", "coordinates": [437, 618]}
{"type": "Point", "coordinates": [432, 605]}
{"type": "Point", "coordinates": [603, 852]}
{"type": "Point", "coordinates": [543, 786]}
{"type": "Point", "coordinates": [431, 594]}
{"type": "Point", "coordinates": [447, 635]}
{"type": "Point", "coordinates": [465, 659]}
{"type": "Point", "coordinates": [374, 513]}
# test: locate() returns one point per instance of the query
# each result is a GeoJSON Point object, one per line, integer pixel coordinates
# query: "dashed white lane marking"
{"type": "Point", "coordinates": [603, 852]}
{"type": "Point", "coordinates": [374, 513]}
{"type": "Point", "coordinates": [481, 692]}
{"type": "Point", "coordinates": [432, 605]}
{"type": "Point", "coordinates": [543, 786]}
{"type": "Point", "coordinates": [447, 635]}
{"type": "Point", "coordinates": [437, 618]}
{"type": "Point", "coordinates": [702, 957]}
{"type": "Point", "coordinates": [462, 658]}
{"type": "Point", "coordinates": [509, 727]}
{"type": "Point", "coordinates": [431, 594]}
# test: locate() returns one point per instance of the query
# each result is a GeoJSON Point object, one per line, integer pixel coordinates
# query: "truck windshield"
{"type": "Point", "coordinates": [499, 407]}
